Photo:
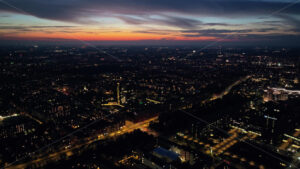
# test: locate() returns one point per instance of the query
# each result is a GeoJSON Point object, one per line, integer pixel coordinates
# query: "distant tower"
{"type": "Point", "coordinates": [220, 53]}
{"type": "Point", "coordinates": [118, 93]}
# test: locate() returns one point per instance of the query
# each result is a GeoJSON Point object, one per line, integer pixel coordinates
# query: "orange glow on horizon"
{"type": "Point", "coordinates": [108, 36]}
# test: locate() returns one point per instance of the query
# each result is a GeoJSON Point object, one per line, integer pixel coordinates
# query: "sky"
{"type": "Point", "coordinates": [240, 21]}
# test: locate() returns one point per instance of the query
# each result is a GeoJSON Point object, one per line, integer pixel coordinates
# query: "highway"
{"type": "Point", "coordinates": [44, 158]}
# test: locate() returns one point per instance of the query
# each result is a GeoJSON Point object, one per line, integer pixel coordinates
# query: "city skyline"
{"type": "Point", "coordinates": [150, 84]}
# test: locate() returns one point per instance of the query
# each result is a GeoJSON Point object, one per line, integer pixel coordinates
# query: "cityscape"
{"type": "Point", "coordinates": [166, 85]}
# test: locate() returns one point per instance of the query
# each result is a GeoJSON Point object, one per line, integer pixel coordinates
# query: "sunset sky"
{"type": "Point", "coordinates": [133, 20]}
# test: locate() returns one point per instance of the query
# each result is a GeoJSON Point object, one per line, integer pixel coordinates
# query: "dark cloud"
{"type": "Point", "coordinates": [162, 20]}
{"type": "Point", "coordinates": [270, 23]}
{"type": "Point", "coordinates": [291, 20]}
{"type": "Point", "coordinates": [211, 32]}
{"type": "Point", "coordinates": [180, 22]}
{"type": "Point", "coordinates": [265, 30]}
{"type": "Point", "coordinates": [222, 32]}
{"type": "Point", "coordinates": [131, 20]}
{"type": "Point", "coordinates": [21, 29]}
{"type": "Point", "coordinates": [185, 15]}
{"type": "Point", "coordinates": [220, 24]}
{"type": "Point", "coordinates": [214, 31]}
{"type": "Point", "coordinates": [81, 10]}
{"type": "Point", "coordinates": [152, 32]}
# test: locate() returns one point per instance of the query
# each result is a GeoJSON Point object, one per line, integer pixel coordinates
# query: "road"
{"type": "Point", "coordinates": [69, 152]}
{"type": "Point", "coordinates": [289, 141]}
{"type": "Point", "coordinates": [227, 90]}
{"type": "Point", "coordinates": [219, 148]}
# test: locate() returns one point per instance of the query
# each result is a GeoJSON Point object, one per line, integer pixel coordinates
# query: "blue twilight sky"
{"type": "Point", "coordinates": [248, 21]}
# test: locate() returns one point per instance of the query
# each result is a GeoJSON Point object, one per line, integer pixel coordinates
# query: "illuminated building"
{"type": "Point", "coordinates": [118, 103]}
